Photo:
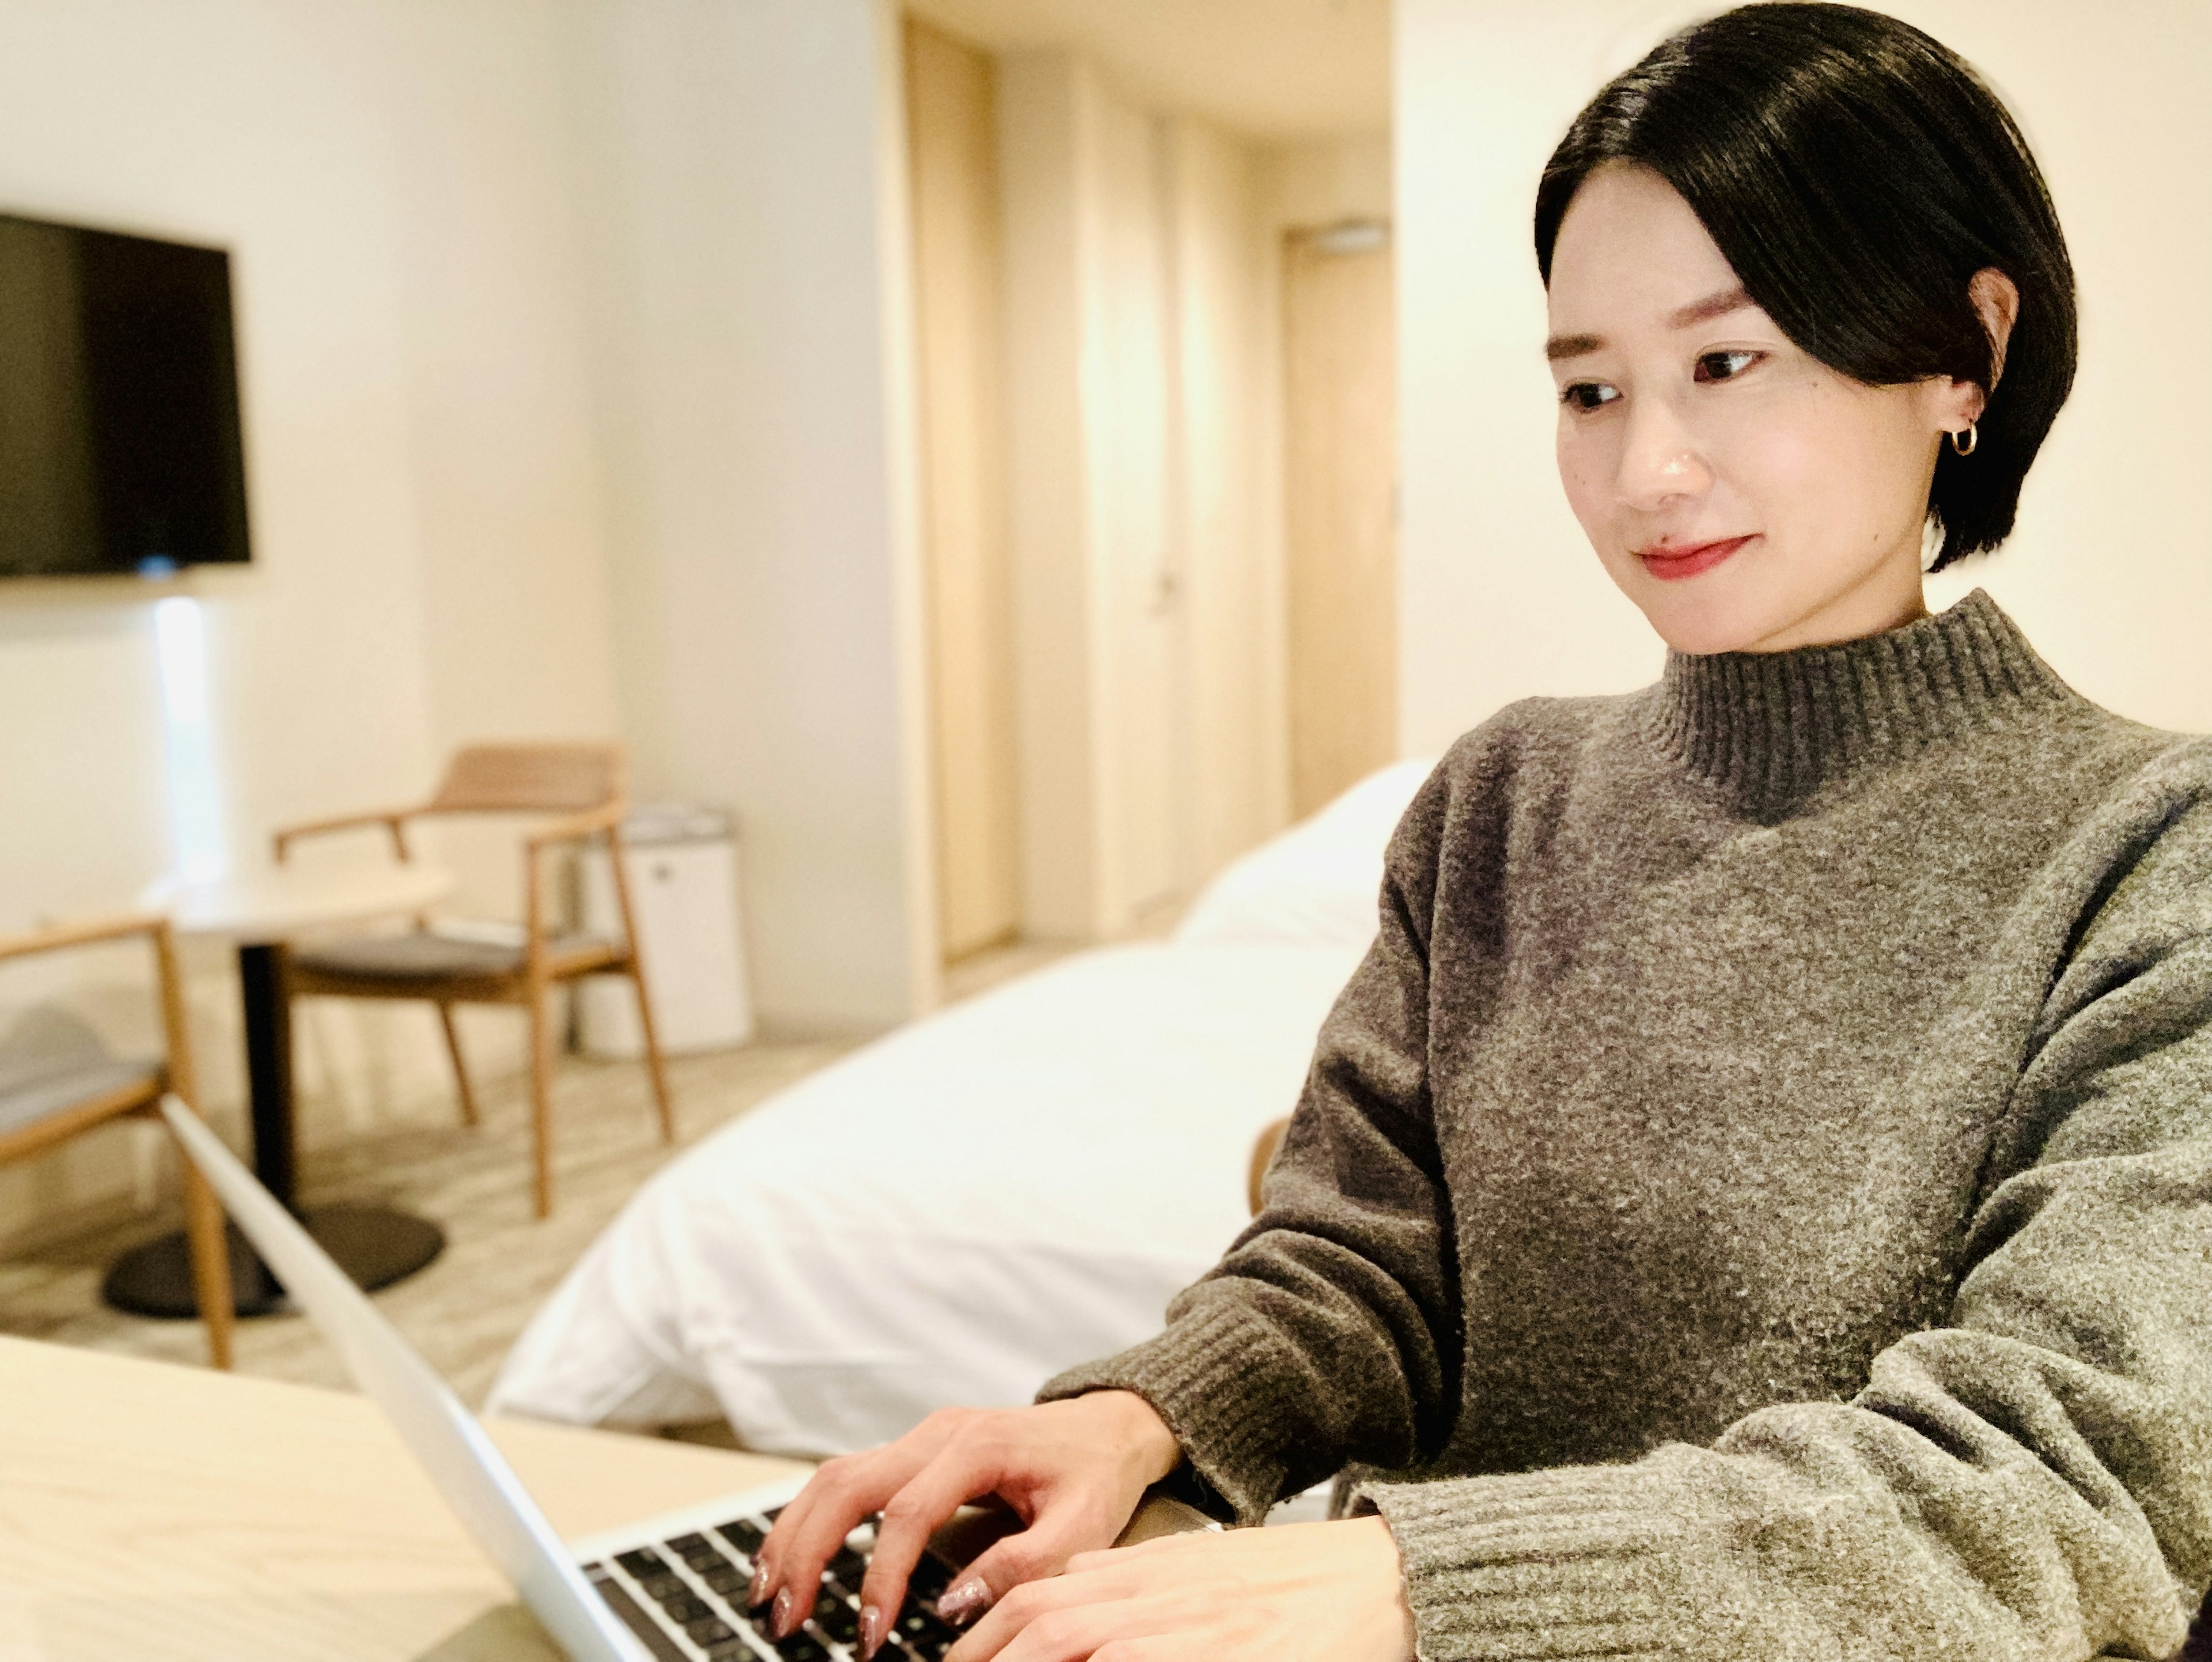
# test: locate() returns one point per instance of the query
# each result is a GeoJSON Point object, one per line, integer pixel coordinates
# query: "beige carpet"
{"type": "Point", "coordinates": [465, 1309]}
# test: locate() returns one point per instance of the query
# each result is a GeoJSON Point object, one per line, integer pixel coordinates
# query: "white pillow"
{"type": "Point", "coordinates": [1319, 882]}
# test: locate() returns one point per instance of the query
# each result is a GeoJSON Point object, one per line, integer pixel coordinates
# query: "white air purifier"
{"type": "Point", "coordinates": [682, 864]}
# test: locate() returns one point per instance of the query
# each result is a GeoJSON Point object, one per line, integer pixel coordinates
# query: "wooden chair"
{"type": "Point", "coordinates": [586, 784]}
{"type": "Point", "coordinates": [1263, 1156]}
{"type": "Point", "coordinates": [55, 1091]}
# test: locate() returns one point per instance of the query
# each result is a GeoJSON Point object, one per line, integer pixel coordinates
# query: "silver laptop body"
{"type": "Point", "coordinates": [608, 1598]}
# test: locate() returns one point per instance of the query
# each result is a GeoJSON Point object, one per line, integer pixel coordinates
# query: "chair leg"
{"type": "Point", "coordinates": [654, 1070]}
{"type": "Point", "coordinates": [210, 1255]}
{"type": "Point", "coordinates": [469, 1115]}
{"type": "Point", "coordinates": [541, 1105]}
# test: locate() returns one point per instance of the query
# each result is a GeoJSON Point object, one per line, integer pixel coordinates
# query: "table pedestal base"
{"type": "Point", "coordinates": [373, 1245]}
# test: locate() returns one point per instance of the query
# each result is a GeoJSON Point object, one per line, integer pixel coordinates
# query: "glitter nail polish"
{"type": "Point", "coordinates": [965, 1602]}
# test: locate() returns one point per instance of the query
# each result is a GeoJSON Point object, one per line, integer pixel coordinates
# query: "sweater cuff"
{"type": "Point", "coordinates": [1583, 1561]}
{"type": "Point", "coordinates": [1217, 1376]}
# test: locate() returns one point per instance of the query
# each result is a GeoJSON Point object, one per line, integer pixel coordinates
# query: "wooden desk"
{"type": "Point", "coordinates": [152, 1511]}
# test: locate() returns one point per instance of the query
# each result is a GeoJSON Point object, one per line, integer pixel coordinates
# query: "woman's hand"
{"type": "Point", "coordinates": [1072, 1471]}
{"type": "Point", "coordinates": [1300, 1592]}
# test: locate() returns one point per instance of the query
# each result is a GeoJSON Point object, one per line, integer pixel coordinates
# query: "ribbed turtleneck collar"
{"type": "Point", "coordinates": [1768, 727]}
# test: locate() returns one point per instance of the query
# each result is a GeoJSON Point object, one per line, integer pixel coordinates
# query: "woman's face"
{"type": "Point", "coordinates": [1745, 496]}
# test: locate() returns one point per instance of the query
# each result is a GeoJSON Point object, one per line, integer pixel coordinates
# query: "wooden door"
{"type": "Point", "coordinates": [1133, 443]}
{"type": "Point", "coordinates": [1341, 449]}
{"type": "Point", "coordinates": [953, 148]}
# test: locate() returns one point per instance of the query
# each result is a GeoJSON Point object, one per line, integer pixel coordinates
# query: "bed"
{"type": "Point", "coordinates": [985, 1197]}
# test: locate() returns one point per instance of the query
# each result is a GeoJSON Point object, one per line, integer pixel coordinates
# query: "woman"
{"type": "Point", "coordinates": [1756, 1199]}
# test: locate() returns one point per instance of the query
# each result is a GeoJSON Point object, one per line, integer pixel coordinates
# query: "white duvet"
{"type": "Point", "coordinates": [992, 1194]}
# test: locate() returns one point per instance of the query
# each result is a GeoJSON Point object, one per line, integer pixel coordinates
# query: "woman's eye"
{"type": "Point", "coordinates": [1587, 394]}
{"type": "Point", "coordinates": [1723, 366]}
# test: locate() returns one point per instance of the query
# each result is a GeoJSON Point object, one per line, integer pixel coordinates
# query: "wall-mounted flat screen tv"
{"type": "Point", "coordinates": [119, 445]}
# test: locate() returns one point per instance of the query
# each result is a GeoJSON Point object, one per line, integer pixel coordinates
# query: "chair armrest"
{"type": "Point", "coordinates": [61, 937]}
{"type": "Point", "coordinates": [576, 826]}
{"type": "Point", "coordinates": [607, 818]}
{"type": "Point", "coordinates": [394, 820]}
{"type": "Point", "coordinates": [169, 982]}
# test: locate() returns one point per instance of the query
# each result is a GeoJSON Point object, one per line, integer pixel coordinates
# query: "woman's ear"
{"type": "Point", "coordinates": [1996, 301]}
{"type": "Point", "coordinates": [1995, 297]}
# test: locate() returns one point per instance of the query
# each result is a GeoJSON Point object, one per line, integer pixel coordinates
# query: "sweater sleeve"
{"type": "Point", "coordinates": [1330, 1331]}
{"type": "Point", "coordinates": [2033, 1480]}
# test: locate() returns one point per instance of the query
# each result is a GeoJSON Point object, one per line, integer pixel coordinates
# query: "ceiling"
{"type": "Point", "coordinates": [1271, 70]}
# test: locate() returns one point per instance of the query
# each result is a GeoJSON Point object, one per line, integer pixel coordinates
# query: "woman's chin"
{"type": "Point", "coordinates": [1701, 623]}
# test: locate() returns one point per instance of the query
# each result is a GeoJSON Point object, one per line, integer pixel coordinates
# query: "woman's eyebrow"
{"type": "Point", "coordinates": [1712, 305]}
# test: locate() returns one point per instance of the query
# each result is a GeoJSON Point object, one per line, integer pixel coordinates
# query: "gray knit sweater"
{"type": "Point", "coordinates": [1755, 1198]}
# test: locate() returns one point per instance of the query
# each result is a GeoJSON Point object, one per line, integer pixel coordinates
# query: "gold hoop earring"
{"type": "Point", "coordinates": [1963, 443]}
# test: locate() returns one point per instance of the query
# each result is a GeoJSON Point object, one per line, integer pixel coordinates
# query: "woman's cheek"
{"type": "Point", "coordinates": [1584, 475]}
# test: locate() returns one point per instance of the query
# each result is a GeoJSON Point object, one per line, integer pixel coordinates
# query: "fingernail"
{"type": "Point", "coordinates": [872, 1631]}
{"type": "Point", "coordinates": [965, 1602]}
{"type": "Point", "coordinates": [758, 1590]}
{"type": "Point", "coordinates": [779, 1619]}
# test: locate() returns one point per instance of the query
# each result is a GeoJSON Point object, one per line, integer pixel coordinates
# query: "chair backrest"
{"type": "Point", "coordinates": [551, 778]}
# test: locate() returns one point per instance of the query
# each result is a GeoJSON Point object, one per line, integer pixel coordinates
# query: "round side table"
{"type": "Point", "coordinates": [257, 913]}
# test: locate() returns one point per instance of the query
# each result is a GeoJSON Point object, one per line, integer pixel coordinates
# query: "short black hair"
{"type": "Point", "coordinates": [1857, 173]}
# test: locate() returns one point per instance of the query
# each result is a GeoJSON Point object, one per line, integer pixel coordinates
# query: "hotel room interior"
{"type": "Point", "coordinates": [993, 503]}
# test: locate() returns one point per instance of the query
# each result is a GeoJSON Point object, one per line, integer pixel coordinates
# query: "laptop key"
{"type": "Point", "coordinates": [801, 1647]}
{"type": "Point", "coordinates": [838, 1619]}
{"type": "Point", "coordinates": [683, 1607]}
{"type": "Point", "coordinates": [632, 1614]}
{"type": "Point", "coordinates": [847, 1565]}
{"type": "Point", "coordinates": [924, 1631]}
{"type": "Point", "coordinates": [642, 1562]}
{"type": "Point", "coordinates": [728, 1582]}
{"type": "Point", "coordinates": [662, 1586]}
{"type": "Point", "coordinates": [744, 1534]}
{"type": "Point", "coordinates": [709, 1631]}
{"type": "Point", "coordinates": [929, 1579]}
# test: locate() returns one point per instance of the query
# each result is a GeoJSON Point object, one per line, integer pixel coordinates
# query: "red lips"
{"type": "Point", "coordinates": [1671, 565]}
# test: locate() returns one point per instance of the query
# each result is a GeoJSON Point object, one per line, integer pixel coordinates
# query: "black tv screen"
{"type": "Point", "coordinates": [119, 445]}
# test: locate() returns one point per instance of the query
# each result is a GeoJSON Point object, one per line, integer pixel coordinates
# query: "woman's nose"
{"type": "Point", "coordinates": [1660, 461]}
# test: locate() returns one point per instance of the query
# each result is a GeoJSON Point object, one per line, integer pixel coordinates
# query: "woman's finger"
{"type": "Point", "coordinates": [961, 1471]}
{"type": "Point", "coordinates": [1027, 1602]}
{"type": "Point", "coordinates": [1039, 1622]}
{"type": "Point", "coordinates": [1059, 1532]}
{"type": "Point", "coordinates": [812, 1527]}
{"type": "Point", "coordinates": [841, 1492]}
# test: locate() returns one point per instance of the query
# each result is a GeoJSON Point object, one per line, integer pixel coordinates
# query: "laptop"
{"type": "Point", "coordinates": [668, 1589]}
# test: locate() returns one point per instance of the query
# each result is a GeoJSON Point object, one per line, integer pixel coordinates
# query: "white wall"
{"type": "Point", "coordinates": [253, 126]}
{"type": "Point", "coordinates": [367, 348]}
{"type": "Point", "coordinates": [504, 439]}
{"type": "Point", "coordinates": [748, 282]}
{"type": "Point", "coordinates": [573, 344]}
{"type": "Point", "coordinates": [1500, 595]}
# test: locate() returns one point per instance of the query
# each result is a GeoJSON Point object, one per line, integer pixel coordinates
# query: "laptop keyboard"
{"type": "Point", "coordinates": [685, 1600]}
